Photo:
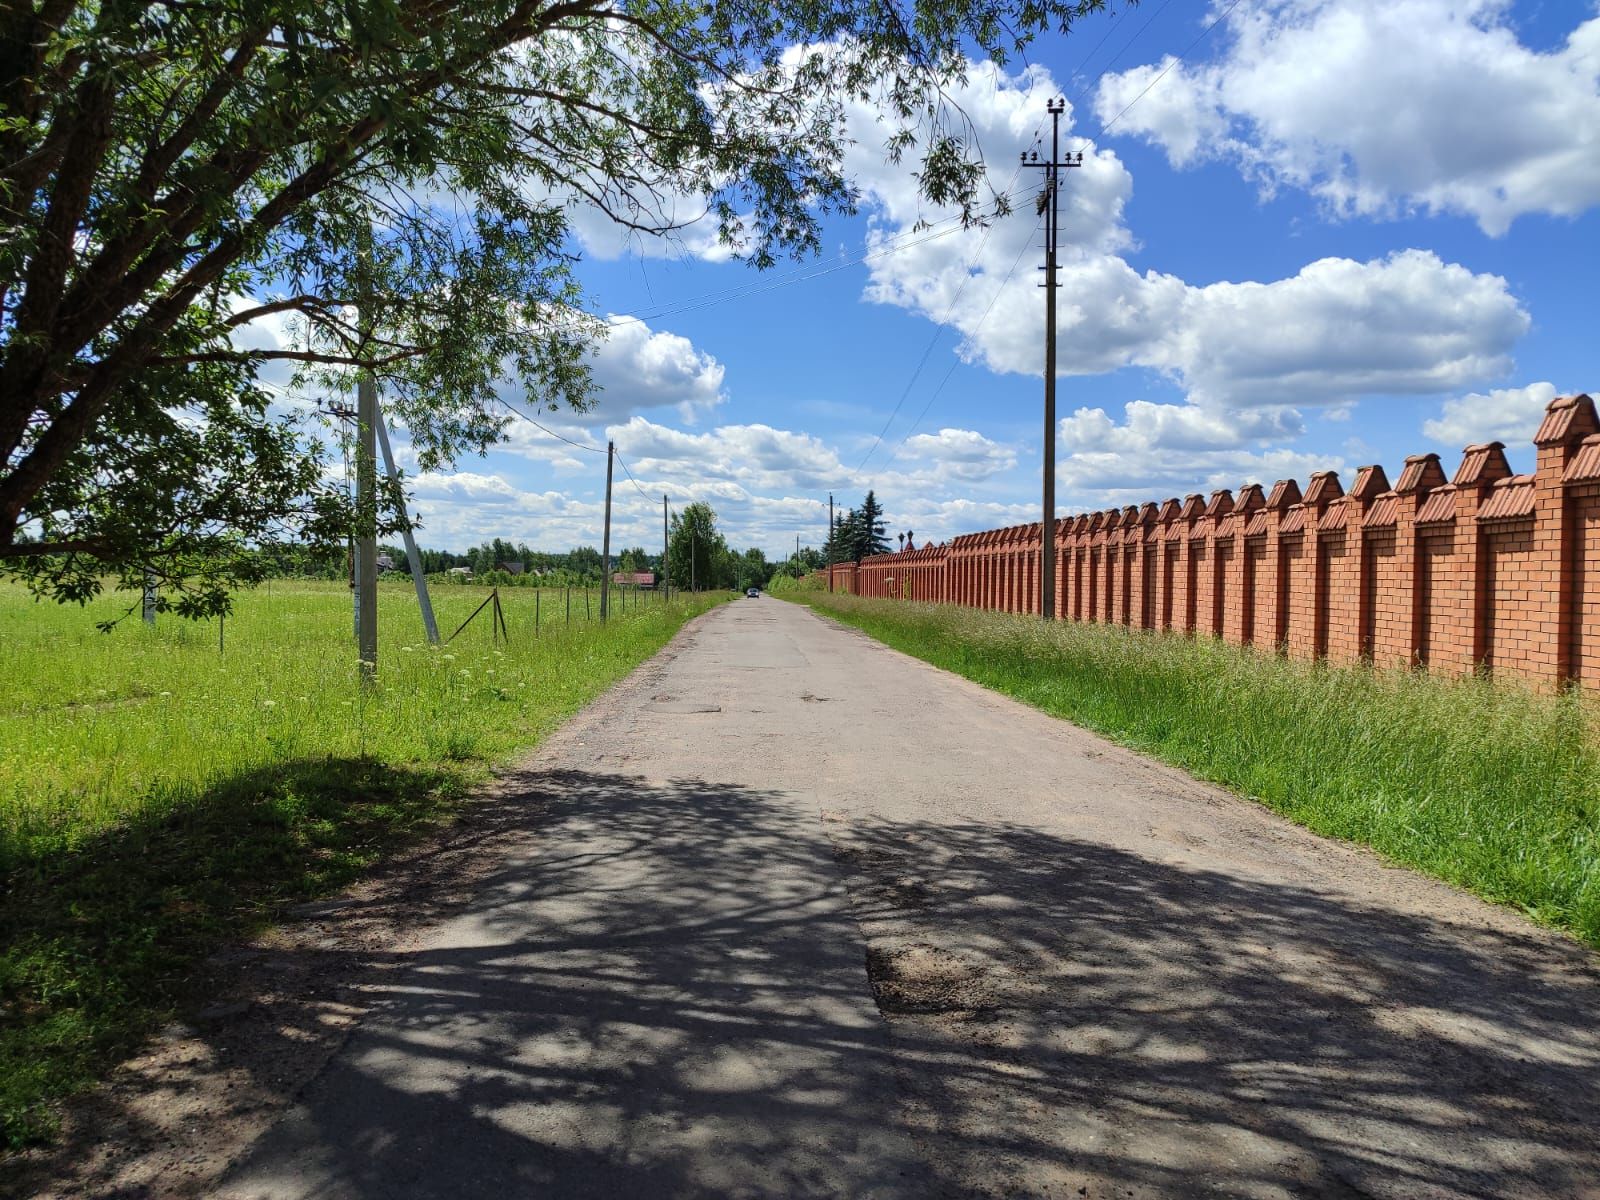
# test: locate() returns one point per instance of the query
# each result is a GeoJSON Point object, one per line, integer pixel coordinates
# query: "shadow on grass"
{"type": "Point", "coordinates": [99, 940]}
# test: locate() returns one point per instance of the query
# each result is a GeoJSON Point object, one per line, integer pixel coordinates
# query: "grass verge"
{"type": "Point", "coordinates": [1481, 783]}
{"type": "Point", "coordinates": [159, 797]}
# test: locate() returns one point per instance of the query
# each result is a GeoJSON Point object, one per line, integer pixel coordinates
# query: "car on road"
{"type": "Point", "coordinates": [753, 593]}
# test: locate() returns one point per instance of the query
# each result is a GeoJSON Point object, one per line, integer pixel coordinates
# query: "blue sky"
{"type": "Point", "coordinates": [1337, 232]}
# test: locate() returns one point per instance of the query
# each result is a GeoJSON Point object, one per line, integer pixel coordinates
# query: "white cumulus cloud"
{"type": "Point", "coordinates": [1383, 106]}
{"type": "Point", "coordinates": [1339, 328]}
{"type": "Point", "coordinates": [1507, 415]}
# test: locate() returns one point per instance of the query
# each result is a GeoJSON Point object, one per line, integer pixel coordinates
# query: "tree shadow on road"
{"type": "Point", "coordinates": [659, 989]}
{"type": "Point", "coordinates": [1076, 1013]}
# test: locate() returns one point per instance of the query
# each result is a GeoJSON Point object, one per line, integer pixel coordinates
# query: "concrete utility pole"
{"type": "Point", "coordinates": [605, 541]}
{"type": "Point", "coordinates": [1050, 208]}
{"type": "Point", "coordinates": [830, 541]}
{"type": "Point", "coordinates": [694, 585]}
{"type": "Point", "coordinates": [666, 584]}
{"type": "Point", "coordinates": [367, 543]}
{"type": "Point", "coordinates": [419, 578]}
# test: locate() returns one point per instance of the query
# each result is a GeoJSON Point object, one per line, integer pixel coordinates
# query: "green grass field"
{"type": "Point", "coordinates": [158, 797]}
{"type": "Point", "coordinates": [1483, 784]}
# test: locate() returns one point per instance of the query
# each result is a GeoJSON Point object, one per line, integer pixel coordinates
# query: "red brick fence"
{"type": "Point", "coordinates": [1489, 568]}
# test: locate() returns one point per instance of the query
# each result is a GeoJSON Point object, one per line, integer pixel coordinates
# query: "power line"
{"type": "Point", "coordinates": [1087, 141]}
{"type": "Point", "coordinates": [1117, 57]}
{"type": "Point", "coordinates": [938, 331]}
{"type": "Point", "coordinates": [993, 300]}
{"type": "Point", "coordinates": [1110, 29]}
{"type": "Point", "coordinates": [648, 498]}
{"type": "Point", "coordinates": [558, 436]}
{"type": "Point", "coordinates": [580, 445]}
{"type": "Point", "coordinates": [1217, 20]}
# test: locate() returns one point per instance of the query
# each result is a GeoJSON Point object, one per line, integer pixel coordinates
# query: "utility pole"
{"type": "Point", "coordinates": [419, 580]}
{"type": "Point", "coordinates": [1050, 209]}
{"type": "Point", "coordinates": [605, 541]}
{"type": "Point", "coordinates": [831, 540]}
{"type": "Point", "coordinates": [365, 557]}
{"type": "Point", "coordinates": [367, 514]}
{"type": "Point", "coordinates": [666, 584]}
{"type": "Point", "coordinates": [694, 586]}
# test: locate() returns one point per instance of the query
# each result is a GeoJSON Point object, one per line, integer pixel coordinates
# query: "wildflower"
{"type": "Point", "coordinates": [166, 693]}
{"type": "Point", "coordinates": [269, 704]}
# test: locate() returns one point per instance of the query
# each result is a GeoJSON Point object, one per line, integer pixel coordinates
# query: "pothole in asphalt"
{"type": "Point", "coordinates": [675, 704]}
{"type": "Point", "coordinates": [921, 978]}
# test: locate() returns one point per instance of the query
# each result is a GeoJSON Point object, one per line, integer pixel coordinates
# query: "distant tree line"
{"type": "Point", "coordinates": [698, 555]}
{"type": "Point", "coordinates": [488, 562]}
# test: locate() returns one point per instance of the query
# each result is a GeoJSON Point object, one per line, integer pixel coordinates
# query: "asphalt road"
{"type": "Point", "coordinates": [800, 916]}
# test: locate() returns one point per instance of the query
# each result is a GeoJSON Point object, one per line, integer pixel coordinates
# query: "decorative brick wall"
{"type": "Point", "coordinates": [1486, 569]}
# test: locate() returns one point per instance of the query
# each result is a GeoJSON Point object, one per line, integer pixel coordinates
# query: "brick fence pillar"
{"type": "Point", "coordinates": [1420, 478]}
{"type": "Point", "coordinates": [1482, 466]}
{"type": "Point", "coordinates": [1371, 482]}
{"type": "Point", "coordinates": [1272, 607]}
{"type": "Point", "coordinates": [1162, 547]}
{"type": "Point", "coordinates": [1323, 490]}
{"type": "Point", "coordinates": [1239, 587]}
{"type": "Point", "coordinates": [1567, 422]}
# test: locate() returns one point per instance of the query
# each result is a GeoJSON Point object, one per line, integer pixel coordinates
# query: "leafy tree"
{"type": "Point", "coordinates": [392, 178]}
{"type": "Point", "coordinates": [697, 553]}
{"type": "Point", "coordinates": [751, 569]}
{"type": "Point", "coordinates": [808, 559]}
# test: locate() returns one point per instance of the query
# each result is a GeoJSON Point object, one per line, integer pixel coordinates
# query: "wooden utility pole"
{"type": "Point", "coordinates": [1050, 209]}
{"type": "Point", "coordinates": [605, 541]}
{"type": "Point", "coordinates": [666, 584]}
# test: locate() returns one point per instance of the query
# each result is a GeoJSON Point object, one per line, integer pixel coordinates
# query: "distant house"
{"type": "Point", "coordinates": [510, 568]}
{"type": "Point", "coordinates": [638, 579]}
{"type": "Point", "coordinates": [460, 572]}
{"type": "Point", "coordinates": [385, 562]}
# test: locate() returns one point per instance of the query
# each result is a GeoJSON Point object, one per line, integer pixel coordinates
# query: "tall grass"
{"type": "Point", "coordinates": [158, 795]}
{"type": "Point", "coordinates": [1481, 783]}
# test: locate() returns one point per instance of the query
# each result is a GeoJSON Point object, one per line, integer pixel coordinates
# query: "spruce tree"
{"type": "Point", "coordinates": [869, 531]}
